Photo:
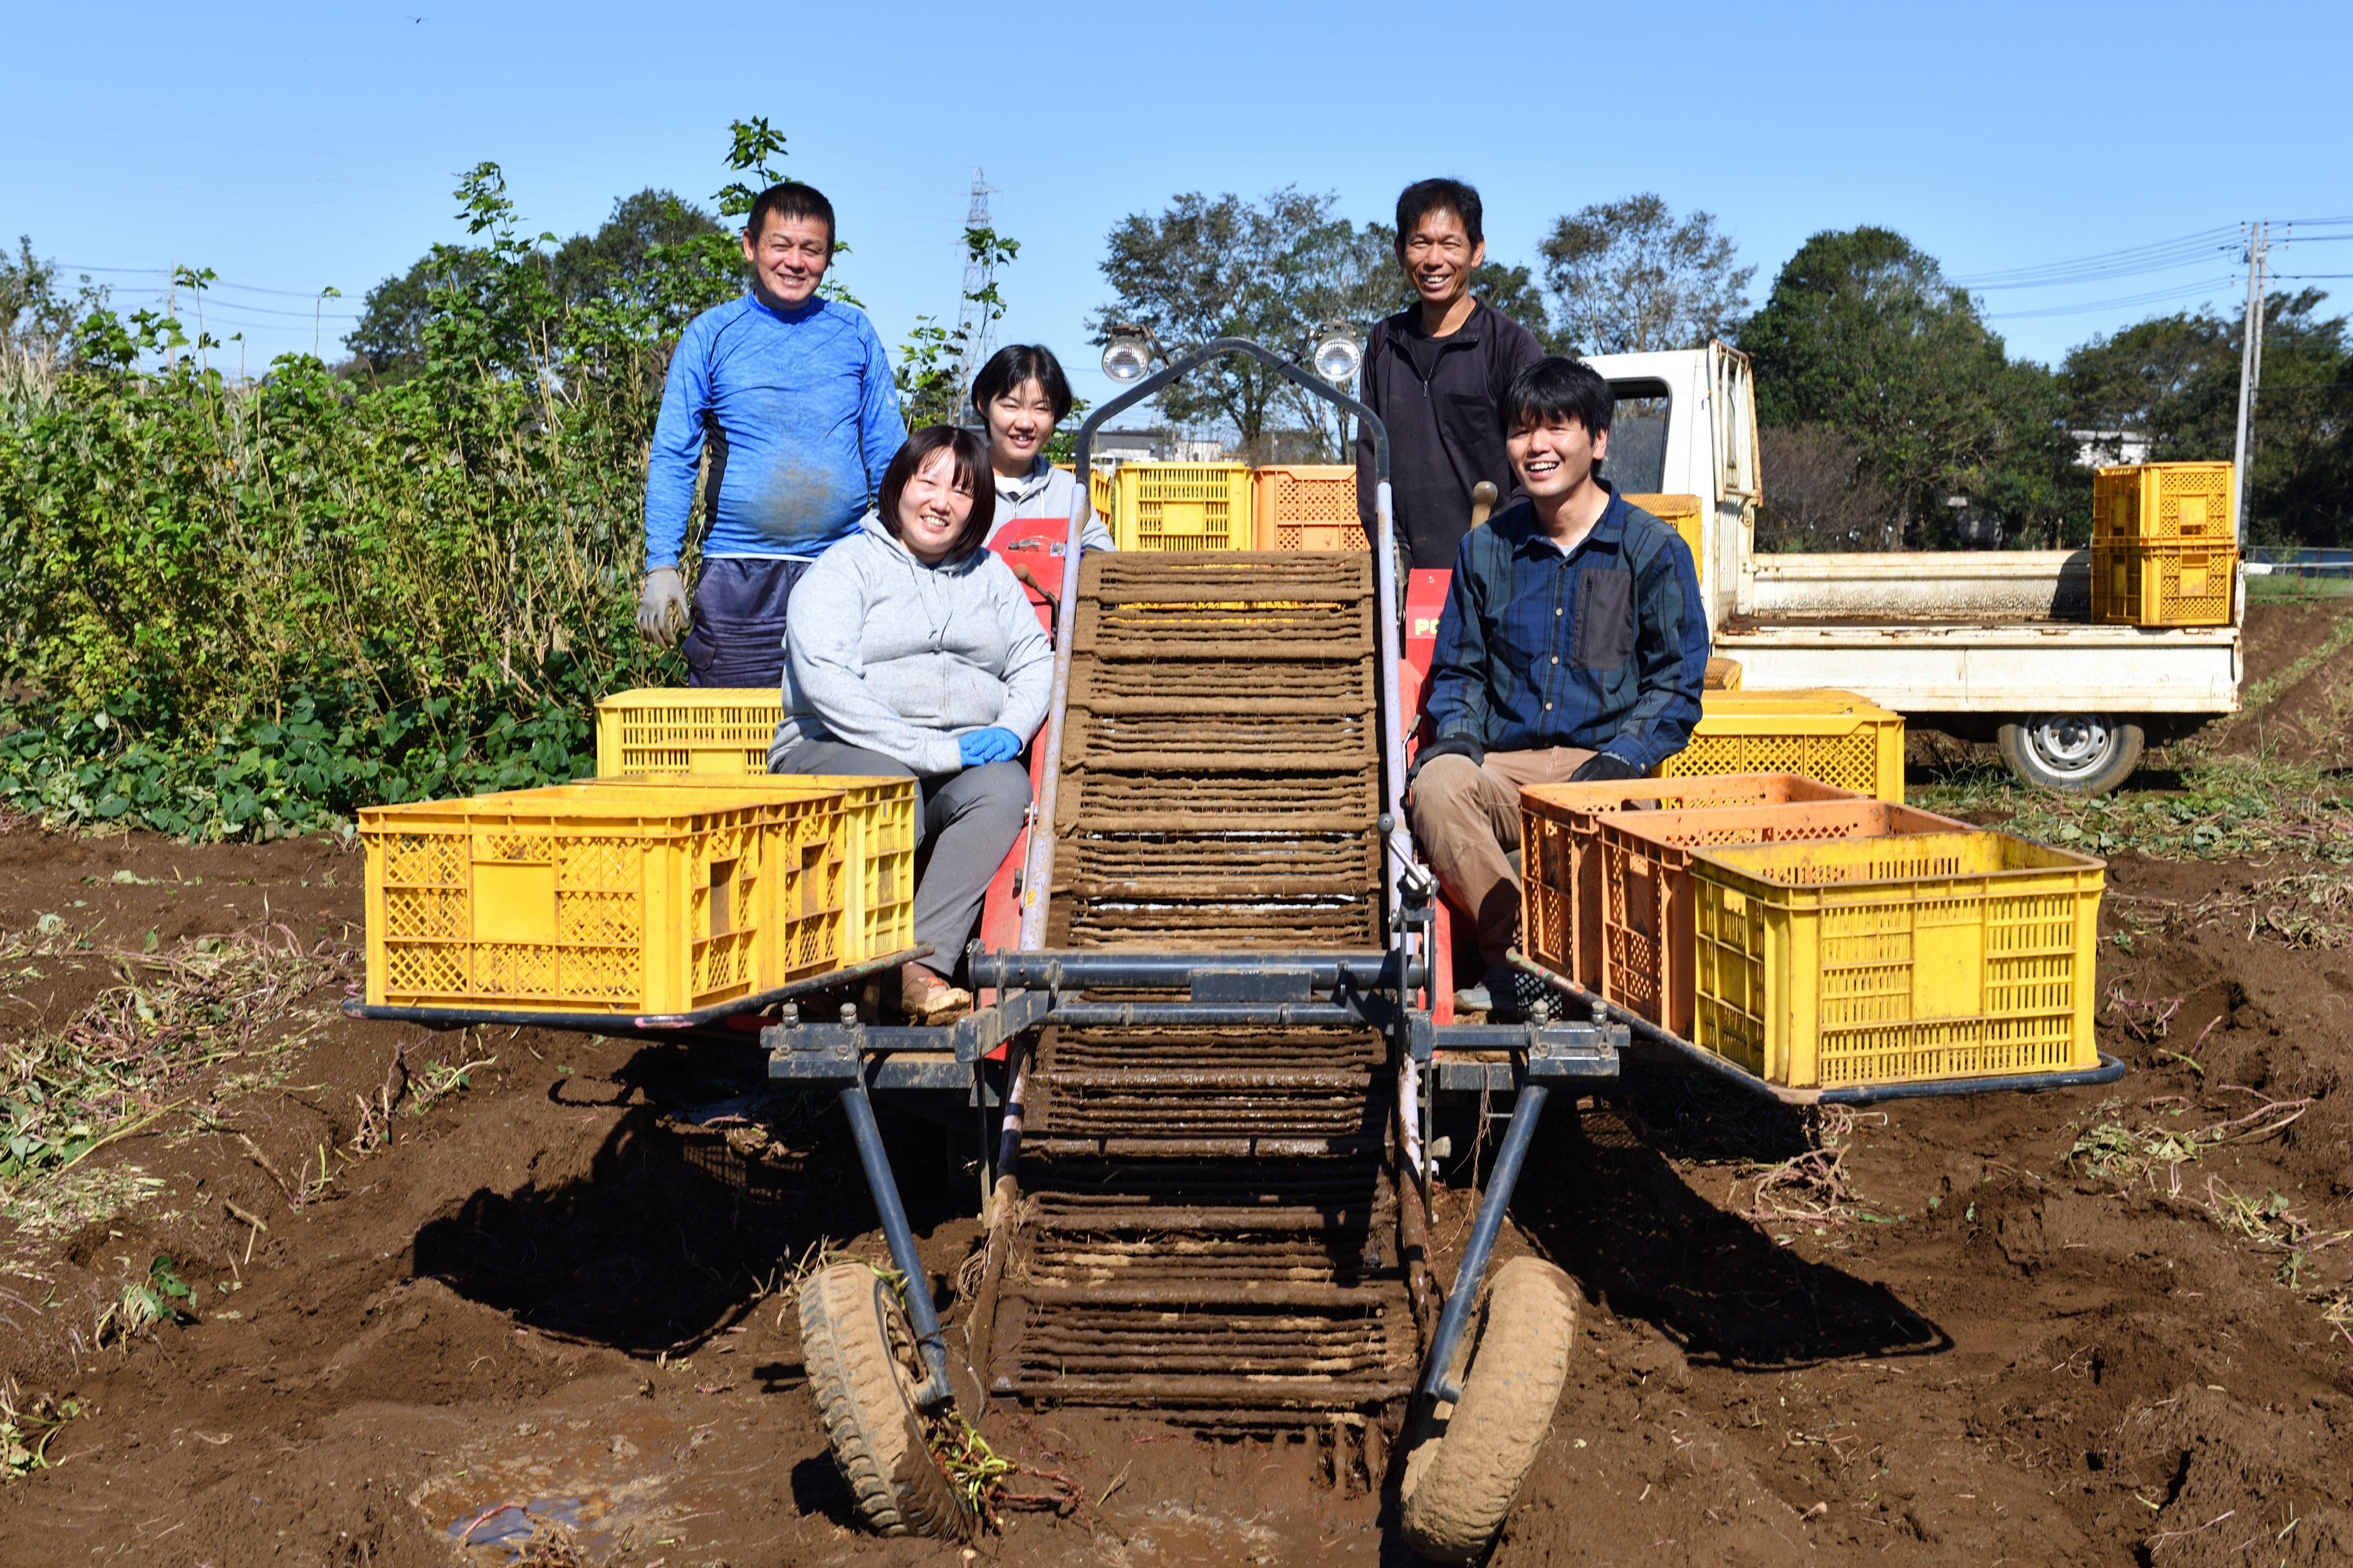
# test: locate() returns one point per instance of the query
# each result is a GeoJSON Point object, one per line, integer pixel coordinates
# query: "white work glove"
{"type": "Point", "coordinates": [661, 609]}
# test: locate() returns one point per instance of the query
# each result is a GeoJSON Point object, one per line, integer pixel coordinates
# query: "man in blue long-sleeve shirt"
{"type": "Point", "coordinates": [793, 398]}
{"type": "Point", "coordinates": [1573, 646]}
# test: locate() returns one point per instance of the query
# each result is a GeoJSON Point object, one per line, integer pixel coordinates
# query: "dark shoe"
{"type": "Point", "coordinates": [1516, 993]}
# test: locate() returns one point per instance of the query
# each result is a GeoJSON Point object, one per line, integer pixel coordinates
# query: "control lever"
{"type": "Point", "coordinates": [1484, 497]}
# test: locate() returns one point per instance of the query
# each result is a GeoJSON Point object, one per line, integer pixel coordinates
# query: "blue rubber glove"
{"type": "Point", "coordinates": [989, 745]}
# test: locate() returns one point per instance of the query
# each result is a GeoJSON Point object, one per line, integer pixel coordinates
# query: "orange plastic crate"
{"type": "Point", "coordinates": [1560, 878]}
{"type": "Point", "coordinates": [1310, 506]}
{"type": "Point", "coordinates": [1647, 897]}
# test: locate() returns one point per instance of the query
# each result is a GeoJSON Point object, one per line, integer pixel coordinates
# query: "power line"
{"type": "Point", "coordinates": [2161, 255]}
{"type": "Point", "coordinates": [2160, 296]}
{"type": "Point", "coordinates": [215, 283]}
{"type": "Point", "coordinates": [260, 310]}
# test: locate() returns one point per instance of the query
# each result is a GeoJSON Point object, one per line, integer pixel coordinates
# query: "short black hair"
{"type": "Point", "coordinates": [789, 199]}
{"type": "Point", "coordinates": [971, 472]}
{"type": "Point", "coordinates": [1456, 196]}
{"type": "Point", "coordinates": [1015, 364]}
{"type": "Point", "coordinates": [1558, 387]}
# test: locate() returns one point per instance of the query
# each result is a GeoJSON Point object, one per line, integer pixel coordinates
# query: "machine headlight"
{"type": "Point", "coordinates": [1127, 356]}
{"type": "Point", "coordinates": [1337, 355]}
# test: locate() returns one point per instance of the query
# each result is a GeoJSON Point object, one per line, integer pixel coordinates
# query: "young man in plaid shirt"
{"type": "Point", "coordinates": [1573, 646]}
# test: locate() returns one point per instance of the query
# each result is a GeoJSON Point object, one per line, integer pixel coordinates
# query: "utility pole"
{"type": "Point", "coordinates": [2251, 368]}
{"type": "Point", "coordinates": [976, 321]}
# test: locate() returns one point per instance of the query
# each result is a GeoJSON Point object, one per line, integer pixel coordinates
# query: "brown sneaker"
{"type": "Point", "coordinates": [927, 999]}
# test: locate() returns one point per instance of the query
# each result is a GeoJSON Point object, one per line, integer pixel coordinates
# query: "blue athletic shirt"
{"type": "Point", "coordinates": [801, 417]}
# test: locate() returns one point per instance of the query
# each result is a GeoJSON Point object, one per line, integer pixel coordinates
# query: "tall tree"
{"type": "Point", "coordinates": [1630, 277]}
{"type": "Point", "coordinates": [1861, 333]}
{"type": "Point", "coordinates": [655, 255]}
{"type": "Point", "coordinates": [1271, 271]}
{"type": "Point", "coordinates": [36, 314]}
{"type": "Point", "coordinates": [2173, 382]}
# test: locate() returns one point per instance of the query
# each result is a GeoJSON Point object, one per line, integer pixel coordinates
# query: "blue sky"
{"type": "Point", "coordinates": [290, 147]}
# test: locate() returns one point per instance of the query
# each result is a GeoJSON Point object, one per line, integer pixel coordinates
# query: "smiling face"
{"type": "Point", "coordinates": [1020, 421]}
{"type": "Point", "coordinates": [1438, 257]}
{"type": "Point", "coordinates": [934, 509]}
{"type": "Point", "coordinates": [788, 257]}
{"type": "Point", "coordinates": [1555, 457]}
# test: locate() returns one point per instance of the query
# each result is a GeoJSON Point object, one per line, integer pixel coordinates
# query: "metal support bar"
{"type": "Point", "coordinates": [715, 1021]}
{"type": "Point", "coordinates": [1555, 1051]}
{"type": "Point", "coordinates": [936, 1392]}
{"type": "Point", "coordinates": [1437, 1380]}
{"type": "Point", "coordinates": [1063, 969]}
{"type": "Point", "coordinates": [1352, 1013]}
{"type": "Point", "coordinates": [1681, 1051]}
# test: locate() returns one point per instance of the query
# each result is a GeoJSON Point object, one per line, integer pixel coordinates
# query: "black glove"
{"type": "Point", "coordinates": [1604, 767]}
{"type": "Point", "coordinates": [1446, 746]}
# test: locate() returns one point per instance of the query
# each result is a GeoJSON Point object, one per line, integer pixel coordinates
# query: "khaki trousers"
{"type": "Point", "coordinates": [1467, 818]}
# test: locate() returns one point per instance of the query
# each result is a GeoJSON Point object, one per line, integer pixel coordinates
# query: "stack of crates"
{"type": "Point", "coordinates": [1836, 737]}
{"type": "Point", "coordinates": [2164, 544]}
{"type": "Point", "coordinates": [644, 899]}
{"type": "Point", "coordinates": [1561, 872]}
{"type": "Point", "coordinates": [720, 735]}
{"type": "Point", "coordinates": [1308, 506]}
{"type": "Point", "coordinates": [1814, 941]}
{"type": "Point", "coordinates": [1181, 506]}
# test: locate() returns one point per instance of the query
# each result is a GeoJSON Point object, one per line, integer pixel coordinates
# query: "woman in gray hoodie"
{"type": "Point", "coordinates": [913, 651]}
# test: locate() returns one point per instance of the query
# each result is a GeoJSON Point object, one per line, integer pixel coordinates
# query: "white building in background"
{"type": "Point", "coordinates": [1157, 446]}
{"type": "Point", "coordinates": [2097, 448]}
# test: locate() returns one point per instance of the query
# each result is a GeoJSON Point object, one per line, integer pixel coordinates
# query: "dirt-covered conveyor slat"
{"type": "Point", "coordinates": [1207, 1219]}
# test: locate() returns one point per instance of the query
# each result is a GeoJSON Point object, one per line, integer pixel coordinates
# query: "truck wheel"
{"type": "Point", "coordinates": [2073, 753]}
{"type": "Point", "coordinates": [1463, 1468]}
{"type": "Point", "coordinates": [862, 1367]}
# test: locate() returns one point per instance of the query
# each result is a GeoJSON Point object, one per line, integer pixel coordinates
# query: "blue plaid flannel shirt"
{"type": "Point", "coordinates": [1603, 647]}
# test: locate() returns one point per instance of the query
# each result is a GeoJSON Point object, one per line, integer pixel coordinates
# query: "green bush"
{"type": "Point", "coordinates": [242, 609]}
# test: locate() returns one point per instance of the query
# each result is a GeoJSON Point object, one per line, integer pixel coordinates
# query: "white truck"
{"type": "Point", "coordinates": [1988, 644]}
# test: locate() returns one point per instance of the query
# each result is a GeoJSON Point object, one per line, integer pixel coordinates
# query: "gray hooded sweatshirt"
{"type": "Point", "coordinates": [1045, 492]}
{"type": "Point", "coordinates": [886, 652]}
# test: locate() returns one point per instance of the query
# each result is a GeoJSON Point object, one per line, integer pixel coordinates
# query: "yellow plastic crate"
{"type": "Point", "coordinates": [1834, 736]}
{"type": "Point", "coordinates": [718, 730]}
{"type": "Point", "coordinates": [601, 898]}
{"type": "Point", "coordinates": [2180, 503]}
{"type": "Point", "coordinates": [1680, 513]}
{"type": "Point", "coordinates": [1308, 506]}
{"type": "Point", "coordinates": [879, 818]}
{"type": "Point", "coordinates": [1872, 961]}
{"type": "Point", "coordinates": [2159, 582]}
{"type": "Point", "coordinates": [1181, 506]}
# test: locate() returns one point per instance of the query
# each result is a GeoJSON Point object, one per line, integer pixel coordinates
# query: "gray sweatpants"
{"type": "Point", "coordinates": [970, 819]}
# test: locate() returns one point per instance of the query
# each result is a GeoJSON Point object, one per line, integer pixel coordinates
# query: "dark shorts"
{"type": "Point", "coordinates": [738, 633]}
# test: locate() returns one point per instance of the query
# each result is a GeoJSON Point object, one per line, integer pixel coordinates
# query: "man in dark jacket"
{"type": "Point", "coordinates": [1572, 647]}
{"type": "Point", "coordinates": [1434, 372]}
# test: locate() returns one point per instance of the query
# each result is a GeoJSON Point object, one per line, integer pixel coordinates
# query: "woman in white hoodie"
{"type": "Point", "coordinates": [913, 651]}
{"type": "Point", "coordinates": [1021, 394]}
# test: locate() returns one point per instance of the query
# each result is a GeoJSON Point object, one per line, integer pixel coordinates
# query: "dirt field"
{"type": "Point", "coordinates": [547, 1318]}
